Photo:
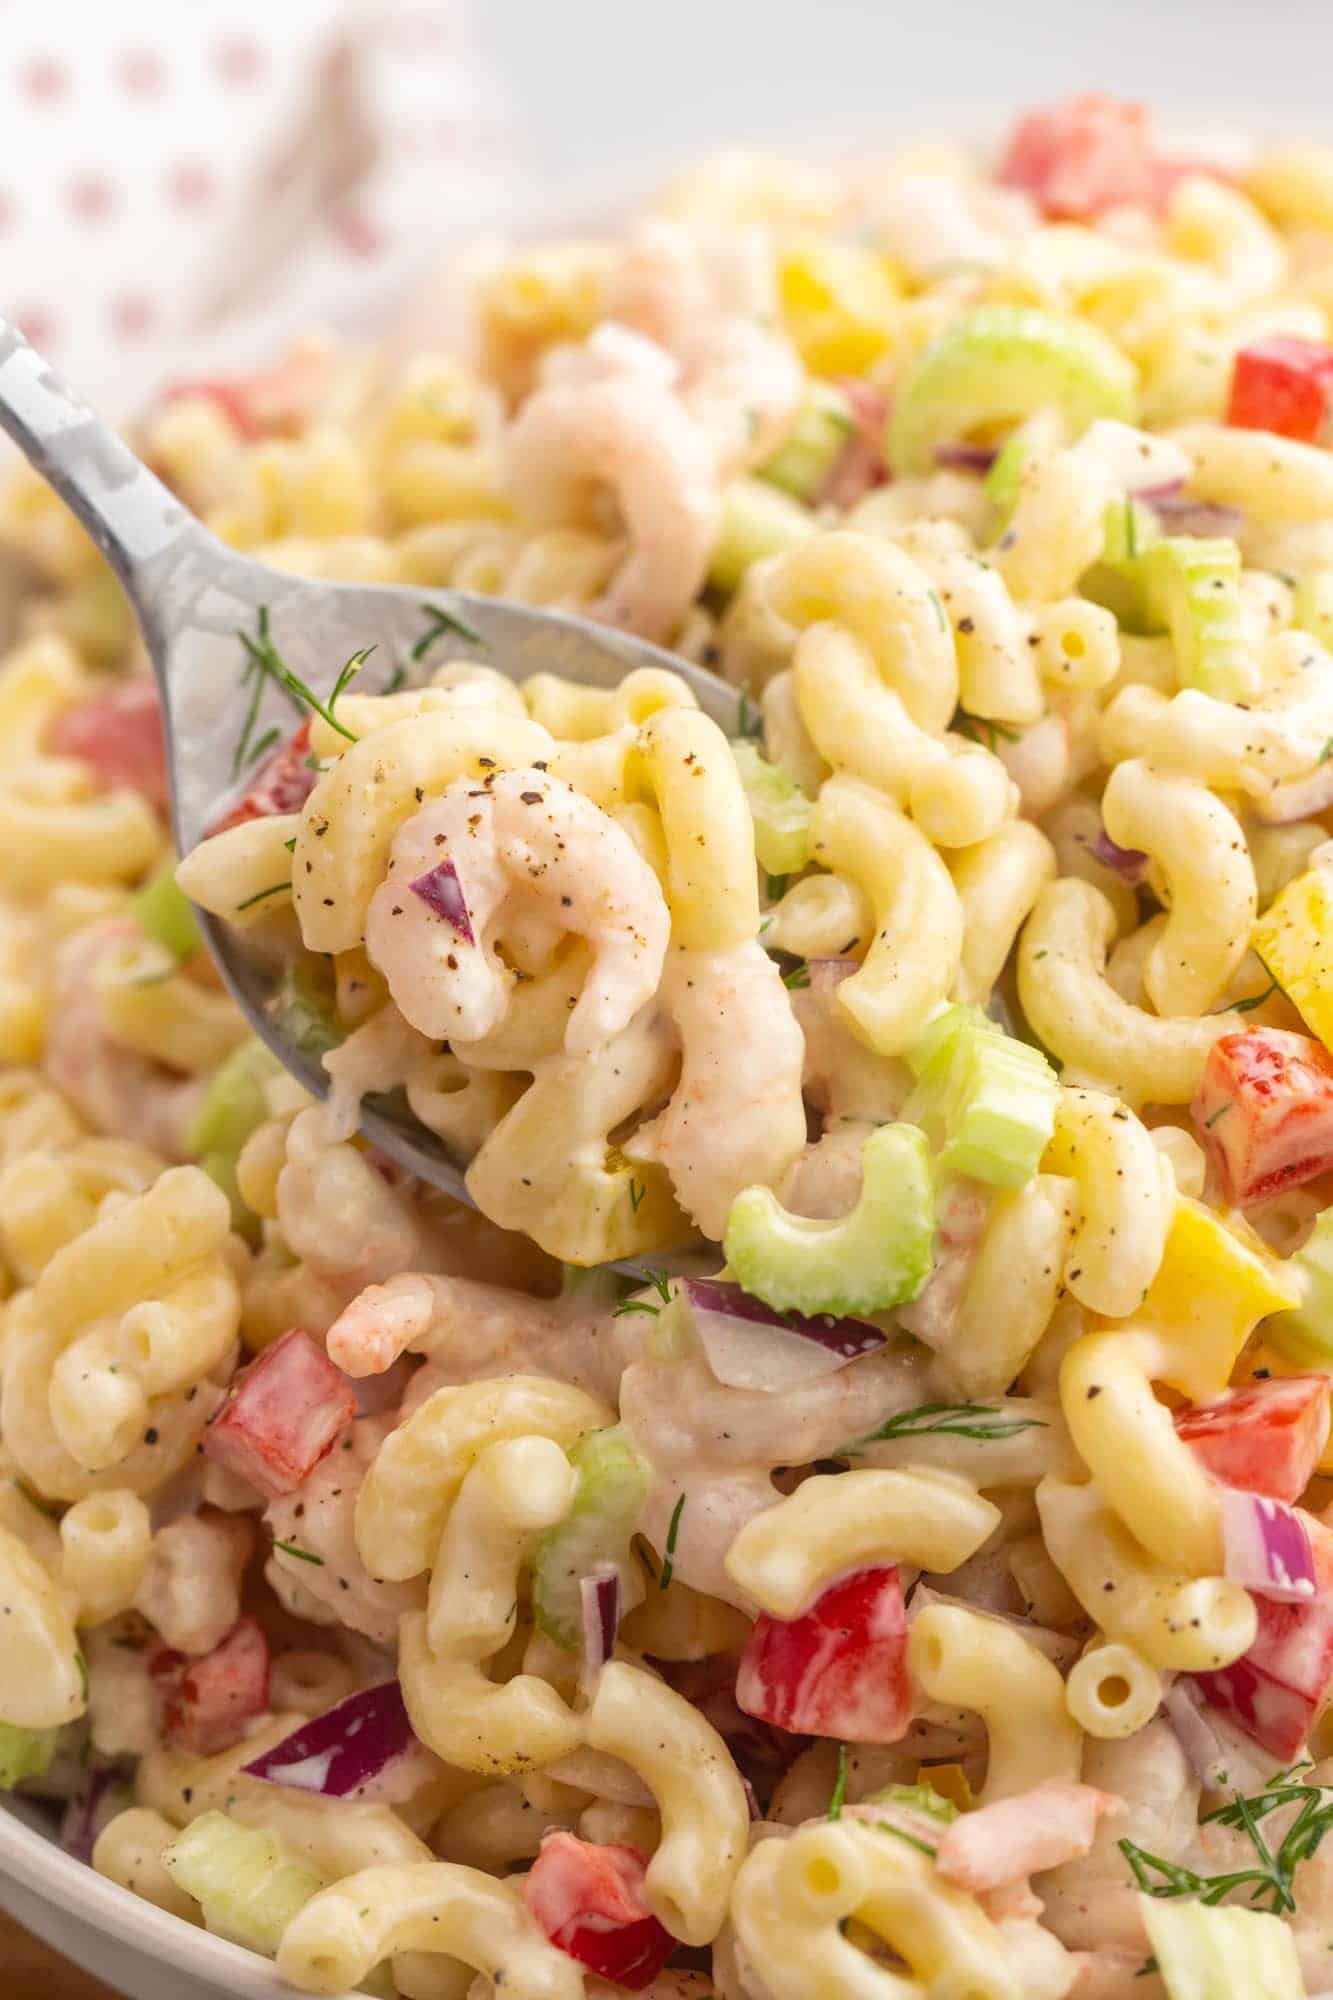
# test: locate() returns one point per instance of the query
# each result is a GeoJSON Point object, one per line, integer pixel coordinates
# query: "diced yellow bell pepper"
{"type": "Point", "coordinates": [1216, 1281]}
{"type": "Point", "coordinates": [840, 304]}
{"type": "Point", "coordinates": [1294, 938]}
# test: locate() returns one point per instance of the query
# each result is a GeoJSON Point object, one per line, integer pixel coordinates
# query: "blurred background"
{"type": "Point", "coordinates": [189, 184]}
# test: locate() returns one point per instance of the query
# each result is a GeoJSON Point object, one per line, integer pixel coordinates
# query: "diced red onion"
{"type": "Point", "coordinates": [1267, 1547]}
{"type": "Point", "coordinates": [1184, 516]}
{"type": "Point", "coordinates": [1129, 863]}
{"type": "Point", "coordinates": [749, 1346]}
{"type": "Point", "coordinates": [343, 1750]}
{"type": "Point", "coordinates": [92, 1807]}
{"type": "Point", "coordinates": [826, 973]}
{"type": "Point", "coordinates": [966, 457]}
{"type": "Point", "coordinates": [441, 891]}
{"type": "Point", "coordinates": [751, 1799]}
{"type": "Point", "coordinates": [599, 1596]}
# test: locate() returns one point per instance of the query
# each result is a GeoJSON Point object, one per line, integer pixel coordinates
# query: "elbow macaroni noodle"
{"type": "Point", "coordinates": [1033, 649]}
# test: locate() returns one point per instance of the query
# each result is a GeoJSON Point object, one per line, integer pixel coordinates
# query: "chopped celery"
{"type": "Point", "coordinates": [235, 1101]}
{"type": "Point", "coordinates": [305, 1007]}
{"type": "Point", "coordinates": [232, 1106]}
{"type": "Point", "coordinates": [613, 1483]}
{"type": "Point", "coordinates": [1193, 585]}
{"type": "Point", "coordinates": [595, 1287]}
{"type": "Point", "coordinates": [166, 914]}
{"type": "Point", "coordinates": [998, 364]}
{"type": "Point", "coordinates": [877, 1256]}
{"type": "Point", "coordinates": [984, 1098]}
{"type": "Point", "coordinates": [780, 810]}
{"type": "Point", "coordinates": [918, 1798]}
{"type": "Point", "coordinates": [823, 425]}
{"type": "Point", "coordinates": [248, 1884]}
{"type": "Point", "coordinates": [1206, 1952]}
{"type": "Point", "coordinates": [25, 1753]}
{"type": "Point", "coordinates": [1006, 475]}
{"type": "Point", "coordinates": [1305, 1332]}
{"type": "Point", "coordinates": [1312, 607]}
{"type": "Point", "coordinates": [758, 520]}
{"type": "Point", "coordinates": [1131, 529]}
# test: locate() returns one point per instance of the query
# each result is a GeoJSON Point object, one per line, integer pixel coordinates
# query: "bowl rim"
{"type": "Point", "coordinates": [58, 1879]}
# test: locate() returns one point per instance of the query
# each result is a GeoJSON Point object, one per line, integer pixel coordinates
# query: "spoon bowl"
{"type": "Point", "coordinates": [197, 601]}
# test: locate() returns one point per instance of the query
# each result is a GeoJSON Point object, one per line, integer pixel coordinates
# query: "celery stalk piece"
{"type": "Point", "coordinates": [231, 1108]}
{"type": "Point", "coordinates": [1312, 607]}
{"type": "Point", "coordinates": [1193, 584]}
{"type": "Point", "coordinates": [781, 812]}
{"type": "Point", "coordinates": [25, 1753]}
{"type": "Point", "coordinates": [758, 520]}
{"type": "Point", "coordinates": [998, 364]}
{"type": "Point", "coordinates": [823, 425]}
{"type": "Point", "coordinates": [877, 1256]}
{"type": "Point", "coordinates": [1208, 1952]}
{"type": "Point", "coordinates": [1005, 477]}
{"type": "Point", "coordinates": [919, 1798]}
{"type": "Point", "coordinates": [247, 1882]}
{"type": "Point", "coordinates": [166, 914]}
{"type": "Point", "coordinates": [613, 1483]}
{"type": "Point", "coordinates": [1305, 1332]}
{"type": "Point", "coordinates": [985, 1099]}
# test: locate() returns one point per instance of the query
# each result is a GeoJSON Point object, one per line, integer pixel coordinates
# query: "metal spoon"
{"type": "Point", "coordinates": [193, 597]}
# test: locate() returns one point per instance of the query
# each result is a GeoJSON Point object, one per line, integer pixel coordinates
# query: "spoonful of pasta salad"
{"type": "Point", "coordinates": [415, 821]}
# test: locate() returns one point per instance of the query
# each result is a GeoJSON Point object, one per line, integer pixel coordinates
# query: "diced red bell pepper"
{"type": "Point", "coordinates": [589, 1901]}
{"type": "Point", "coordinates": [1276, 1690]}
{"type": "Point", "coordinates": [1079, 158]}
{"type": "Point", "coordinates": [282, 785]}
{"type": "Point", "coordinates": [1265, 1438]}
{"type": "Point", "coordinates": [1282, 384]}
{"type": "Point", "coordinates": [272, 402]}
{"type": "Point", "coordinates": [283, 1414]}
{"type": "Point", "coordinates": [207, 1702]}
{"type": "Point", "coordinates": [839, 1669]}
{"type": "Point", "coordinates": [1264, 1110]}
{"type": "Point", "coordinates": [119, 735]}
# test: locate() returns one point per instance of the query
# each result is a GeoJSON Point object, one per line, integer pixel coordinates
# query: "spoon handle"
{"type": "Point", "coordinates": [133, 518]}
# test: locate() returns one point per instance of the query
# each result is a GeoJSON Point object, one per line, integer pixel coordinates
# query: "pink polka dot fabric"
{"type": "Point", "coordinates": [189, 184]}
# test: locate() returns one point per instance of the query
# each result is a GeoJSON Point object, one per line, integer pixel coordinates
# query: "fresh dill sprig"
{"type": "Point", "coordinates": [971, 1420]}
{"type": "Point", "coordinates": [302, 1555]}
{"type": "Point", "coordinates": [839, 1792]}
{"type": "Point", "coordinates": [797, 978]}
{"type": "Point", "coordinates": [265, 662]}
{"type": "Point", "coordinates": [1269, 1880]}
{"type": "Point", "coordinates": [660, 1283]}
{"type": "Point", "coordinates": [669, 1553]}
{"type": "Point", "coordinates": [440, 622]}
{"type": "Point", "coordinates": [273, 889]}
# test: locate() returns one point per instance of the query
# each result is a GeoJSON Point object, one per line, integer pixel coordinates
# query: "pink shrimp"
{"type": "Point", "coordinates": [1004, 1843]}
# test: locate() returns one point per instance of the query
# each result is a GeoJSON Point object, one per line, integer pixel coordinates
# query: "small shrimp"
{"type": "Point", "coordinates": [743, 385]}
{"type": "Point", "coordinates": [630, 435]}
{"type": "Point", "coordinates": [522, 842]}
{"type": "Point", "coordinates": [737, 1117]}
{"type": "Point", "coordinates": [470, 1330]}
{"type": "Point", "coordinates": [116, 1090]}
{"type": "Point", "coordinates": [1003, 1843]}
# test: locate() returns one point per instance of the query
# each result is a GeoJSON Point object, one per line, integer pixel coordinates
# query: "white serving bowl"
{"type": "Point", "coordinates": [134, 1946]}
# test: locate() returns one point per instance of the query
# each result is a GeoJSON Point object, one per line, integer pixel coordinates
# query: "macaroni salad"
{"type": "Point", "coordinates": [917, 1583]}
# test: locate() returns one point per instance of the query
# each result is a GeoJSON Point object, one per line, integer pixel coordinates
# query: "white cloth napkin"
{"type": "Point", "coordinates": [188, 185]}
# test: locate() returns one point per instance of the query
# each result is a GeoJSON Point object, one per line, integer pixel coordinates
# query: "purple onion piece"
{"type": "Point", "coordinates": [341, 1751]}
{"type": "Point", "coordinates": [441, 891]}
{"type": "Point", "coordinates": [1185, 516]}
{"type": "Point", "coordinates": [749, 1346]}
{"type": "Point", "coordinates": [966, 457]}
{"type": "Point", "coordinates": [599, 1596]}
{"type": "Point", "coordinates": [91, 1807]}
{"type": "Point", "coordinates": [1267, 1547]}
{"type": "Point", "coordinates": [1129, 863]}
